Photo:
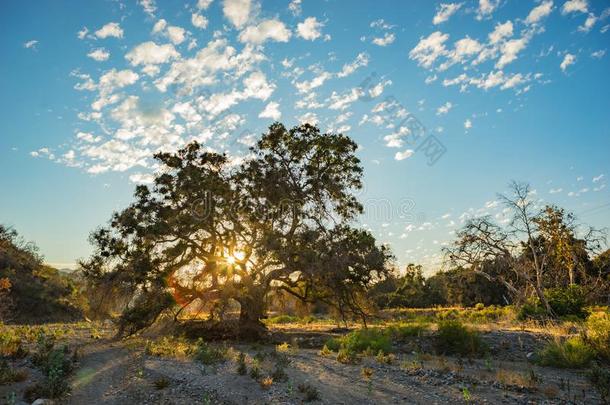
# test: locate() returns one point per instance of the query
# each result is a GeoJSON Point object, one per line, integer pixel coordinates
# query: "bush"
{"type": "Point", "coordinates": [56, 365]}
{"type": "Point", "coordinates": [454, 338]}
{"type": "Point", "coordinates": [570, 353]}
{"type": "Point", "coordinates": [283, 319]}
{"type": "Point", "coordinates": [311, 392]}
{"type": "Point", "coordinates": [598, 333]}
{"type": "Point", "coordinates": [406, 330]}
{"type": "Point", "coordinates": [367, 339]}
{"type": "Point", "coordinates": [9, 375]}
{"type": "Point", "coordinates": [207, 354]}
{"type": "Point", "coordinates": [569, 301]}
{"type": "Point", "coordinates": [565, 302]}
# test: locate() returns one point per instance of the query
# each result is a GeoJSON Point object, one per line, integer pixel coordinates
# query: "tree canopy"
{"type": "Point", "coordinates": [212, 230]}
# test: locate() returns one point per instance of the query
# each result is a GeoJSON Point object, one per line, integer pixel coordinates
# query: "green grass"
{"type": "Point", "coordinates": [598, 333]}
{"type": "Point", "coordinates": [570, 353]}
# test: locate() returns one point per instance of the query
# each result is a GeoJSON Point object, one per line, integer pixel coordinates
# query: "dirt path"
{"type": "Point", "coordinates": [105, 369]}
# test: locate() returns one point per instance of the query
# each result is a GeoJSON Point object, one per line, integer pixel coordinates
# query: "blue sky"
{"type": "Point", "coordinates": [507, 89]}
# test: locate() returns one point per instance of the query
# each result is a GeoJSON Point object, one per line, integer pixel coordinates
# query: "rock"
{"type": "Point", "coordinates": [42, 401]}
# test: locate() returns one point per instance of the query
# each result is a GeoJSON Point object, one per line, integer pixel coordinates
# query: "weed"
{"type": "Point", "coordinates": [466, 394]}
{"type": "Point", "coordinates": [280, 319]}
{"type": "Point", "coordinates": [161, 383]}
{"type": "Point", "coordinates": [207, 354]}
{"type": "Point", "coordinates": [346, 356]}
{"type": "Point", "coordinates": [266, 383]}
{"type": "Point", "coordinates": [570, 353]}
{"type": "Point", "coordinates": [600, 378]}
{"type": "Point", "coordinates": [385, 358]}
{"type": "Point", "coordinates": [325, 351]}
{"type": "Point", "coordinates": [311, 392]}
{"type": "Point", "coordinates": [279, 374]}
{"type": "Point", "coordinates": [9, 375]}
{"type": "Point", "coordinates": [255, 370]}
{"type": "Point", "coordinates": [242, 369]}
{"type": "Point", "coordinates": [283, 348]}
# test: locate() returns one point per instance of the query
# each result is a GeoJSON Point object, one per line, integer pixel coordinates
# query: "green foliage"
{"type": "Point", "coordinates": [403, 330]}
{"type": "Point", "coordinates": [347, 356]}
{"type": "Point", "coordinates": [280, 319]}
{"type": "Point", "coordinates": [31, 291]}
{"type": "Point", "coordinates": [570, 353]}
{"type": "Point", "coordinates": [564, 301]}
{"type": "Point", "coordinates": [453, 337]}
{"type": "Point", "coordinates": [567, 301]}
{"type": "Point", "coordinates": [207, 354]}
{"type": "Point", "coordinates": [600, 379]}
{"type": "Point", "coordinates": [201, 195]}
{"type": "Point", "coordinates": [598, 333]}
{"type": "Point", "coordinates": [56, 364]}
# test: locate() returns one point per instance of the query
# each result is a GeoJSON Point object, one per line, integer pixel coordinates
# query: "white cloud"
{"type": "Point", "coordinates": [404, 154]}
{"type": "Point", "coordinates": [588, 24]}
{"type": "Point", "coordinates": [387, 39]}
{"type": "Point", "coordinates": [486, 8]}
{"type": "Point", "coordinates": [568, 60]}
{"type": "Point", "coordinates": [308, 118]}
{"type": "Point", "coordinates": [142, 178]}
{"type": "Point", "coordinates": [176, 34]}
{"type": "Point", "coordinates": [598, 54]}
{"type": "Point", "coordinates": [444, 109]}
{"type": "Point", "coordinates": [271, 111]}
{"type": "Point", "coordinates": [555, 190]}
{"type": "Point", "coordinates": [598, 178]}
{"type": "Point", "coordinates": [83, 33]}
{"type": "Point", "coordinates": [237, 11]}
{"type": "Point", "coordinates": [539, 12]}
{"type": "Point", "coordinates": [149, 53]}
{"type": "Point", "coordinates": [575, 6]}
{"type": "Point", "coordinates": [310, 29]}
{"type": "Point", "coordinates": [445, 11]}
{"type": "Point", "coordinates": [99, 55]}
{"type": "Point", "coordinates": [467, 124]}
{"type": "Point", "coordinates": [199, 21]}
{"type": "Point", "coordinates": [510, 50]}
{"type": "Point", "coordinates": [429, 49]}
{"type": "Point", "coordinates": [31, 44]}
{"type": "Point", "coordinates": [501, 31]}
{"type": "Point", "coordinates": [203, 4]}
{"type": "Point", "coordinates": [159, 26]}
{"type": "Point", "coordinates": [110, 30]}
{"type": "Point", "coordinates": [361, 60]}
{"type": "Point", "coordinates": [268, 29]}
{"type": "Point", "coordinates": [149, 7]}
{"type": "Point", "coordinates": [295, 7]}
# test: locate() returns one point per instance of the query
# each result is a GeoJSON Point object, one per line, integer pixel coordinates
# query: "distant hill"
{"type": "Point", "coordinates": [31, 292]}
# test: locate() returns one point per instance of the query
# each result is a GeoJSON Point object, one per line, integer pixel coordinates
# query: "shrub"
{"type": "Point", "coordinates": [9, 375]}
{"type": "Point", "coordinates": [266, 383]}
{"type": "Point", "coordinates": [311, 392]}
{"type": "Point", "coordinates": [406, 330]}
{"type": "Point", "coordinates": [454, 338]}
{"type": "Point", "coordinates": [161, 383]}
{"type": "Point", "coordinates": [207, 354]}
{"type": "Point", "coordinates": [242, 369]}
{"type": "Point", "coordinates": [283, 319]}
{"type": "Point", "coordinates": [531, 310]}
{"type": "Point", "coordinates": [598, 333]}
{"type": "Point", "coordinates": [169, 347]}
{"type": "Point", "coordinates": [479, 306]}
{"type": "Point", "coordinates": [56, 364]}
{"type": "Point", "coordinates": [600, 378]}
{"type": "Point", "coordinates": [569, 301]}
{"type": "Point", "coordinates": [363, 339]}
{"type": "Point", "coordinates": [570, 353]}
{"type": "Point", "coordinates": [346, 356]}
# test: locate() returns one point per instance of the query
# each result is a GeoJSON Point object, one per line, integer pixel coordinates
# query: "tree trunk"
{"type": "Point", "coordinates": [251, 312]}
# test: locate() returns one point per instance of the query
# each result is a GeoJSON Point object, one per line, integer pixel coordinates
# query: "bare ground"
{"type": "Point", "coordinates": [118, 372]}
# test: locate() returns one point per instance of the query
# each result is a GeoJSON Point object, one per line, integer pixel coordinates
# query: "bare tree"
{"type": "Point", "coordinates": [535, 243]}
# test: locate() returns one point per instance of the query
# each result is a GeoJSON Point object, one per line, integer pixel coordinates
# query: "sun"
{"type": "Point", "coordinates": [231, 260]}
